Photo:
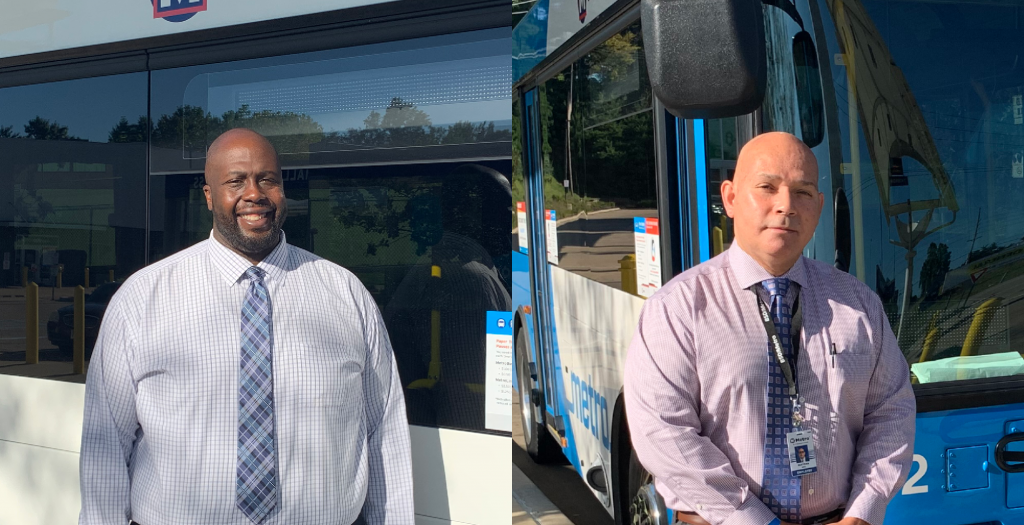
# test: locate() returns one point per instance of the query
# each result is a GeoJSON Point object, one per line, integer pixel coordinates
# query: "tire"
{"type": "Point", "coordinates": [646, 507]}
{"type": "Point", "coordinates": [540, 445]}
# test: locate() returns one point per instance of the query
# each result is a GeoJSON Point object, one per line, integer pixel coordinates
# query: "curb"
{"type": "Point", "coordinates": [530, 506]}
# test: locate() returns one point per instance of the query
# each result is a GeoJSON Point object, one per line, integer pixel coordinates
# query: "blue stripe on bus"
{"type": "Point", "coordinates": [700, 174]}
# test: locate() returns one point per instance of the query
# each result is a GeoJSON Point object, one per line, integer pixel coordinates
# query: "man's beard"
{"type": "Point", "coordinates": [252, 243]}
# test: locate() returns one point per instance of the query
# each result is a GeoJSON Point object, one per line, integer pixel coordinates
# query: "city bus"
{"type": "Point", "coordinates": [393, 126]}
{"type": "Point", "coordinates": [629, 115]}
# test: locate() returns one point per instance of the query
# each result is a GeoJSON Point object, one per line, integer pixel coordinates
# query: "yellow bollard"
{"type": "Point", "coordinates": [110, 276]}
{"type": "Point", "coordinates": [86, 276]}
{"type": "Point", "coordinates": [930, 340]}
{"type": "Point", "coordinates": [31, 324]}
{"type": "Point", "coordinates": [717, 240]}
{"type": "Point", "coordinates": [627, 269]}
{"type": "Point", "coordinates": [982, 318]}
{"type": "Point", "coordinates": [78, 358]}
{"type": "Point", "coordinates": [24, 275]}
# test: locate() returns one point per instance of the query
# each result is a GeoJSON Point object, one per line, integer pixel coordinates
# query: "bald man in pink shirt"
{"type": "Point", "coordinates": [743, 360]}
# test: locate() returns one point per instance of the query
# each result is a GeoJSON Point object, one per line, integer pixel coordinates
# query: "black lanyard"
{"type": "Point", "coordinates": [794, 337]}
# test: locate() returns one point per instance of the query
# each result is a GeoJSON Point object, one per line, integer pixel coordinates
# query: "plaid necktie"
{"type": "Point", "coordinates": [256, 474]}
{"type": "Point", "coordinates": [780, 491]}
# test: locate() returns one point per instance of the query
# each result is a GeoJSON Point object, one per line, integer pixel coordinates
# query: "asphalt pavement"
{"type": "Point", "coordinates": [549, 494]}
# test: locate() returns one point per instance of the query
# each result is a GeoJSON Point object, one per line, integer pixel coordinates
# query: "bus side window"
{"type": "Point", "coordinates": [808, 90]}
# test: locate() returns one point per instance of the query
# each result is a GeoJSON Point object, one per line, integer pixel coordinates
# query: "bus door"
{"type": "Point", "coordinates": [541, 244]}
{"type": "Point", "coordinates": [915, 112]}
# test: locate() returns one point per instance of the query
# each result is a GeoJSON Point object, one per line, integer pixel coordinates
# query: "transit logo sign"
{"type": "Point", "coordinates": [177, 10]}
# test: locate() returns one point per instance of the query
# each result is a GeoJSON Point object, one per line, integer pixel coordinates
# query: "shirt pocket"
{"type": "Point", "coordinates": [852, 366]}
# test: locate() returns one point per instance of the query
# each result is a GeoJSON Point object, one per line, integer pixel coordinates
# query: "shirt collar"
{"type": "Point", "coordinates": [748, 272]}
{"type": "Point", "coordinates": [232, 266]}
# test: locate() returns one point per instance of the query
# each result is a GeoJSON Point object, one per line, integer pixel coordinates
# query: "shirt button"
{"type": "Point", "coordinates": [700, 507]}
{"type": "Point", "coordinates": [810, 492]}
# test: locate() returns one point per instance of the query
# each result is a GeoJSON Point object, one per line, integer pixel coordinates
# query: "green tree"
{"type": "Point", "coordinates": [888, 294]}
{"type": "Point", "coordinates": [290, 133]}
{"type": "Point", "coordinates": [372, 121]}
{"type": "Point", "coordinates": [192, 129]}
{"type": "Point", "coordinates": [125, 131]}
{"type": "Point", "coordinates": [185, 129]}
{"type": "Point", "coordinates": [984, 251]}
{"type": "Point", "coordinates": [400, 114]}
{"type": "Point", "coordinates": [7, 132]}
{"type": "Point", "coordinates": [42, 129]}
{"type": "Point", "coordinates": [518, 180]}
{"type": "Point", "coordinates": [934, 270]}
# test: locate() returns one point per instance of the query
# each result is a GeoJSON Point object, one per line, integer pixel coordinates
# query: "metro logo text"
{"type": "Point", "coordinates": [166, 8]}
{"type": "Point", "coordinates": [591, 409]}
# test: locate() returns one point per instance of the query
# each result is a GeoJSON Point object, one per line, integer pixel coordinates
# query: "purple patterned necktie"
{"type": "Point", "coordinates": [256, 475]}
{"type": "Point", "coordinates": [780, 491]}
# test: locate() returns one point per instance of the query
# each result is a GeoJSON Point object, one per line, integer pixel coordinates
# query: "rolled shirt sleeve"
{"type": "Point", "coordinates": [885, 447]}
{"type": "Point", "coordinates": [662, 400]}
{"type": "Point", "coordinates": [389, 495]}
{"type": "Point", "coordinates": [110, 425]}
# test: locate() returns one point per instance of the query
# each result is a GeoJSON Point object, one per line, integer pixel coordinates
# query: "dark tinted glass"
{"type": "Point", "coordinates": [73, 178]}
{"type": "Point", "coordinates": [930, 98]}
{"type": "Point", "coordinates": [397, 165]}
{"type": "Point", "coordinates": [599, 170]}
{"type": "Point", "coordinates": [392, 226]}
{"type": "Point", "coordinates": [422, 100]}
{"type": "Point", "coordinates": [724, 138]}
{"type": "Point", "coordinates": [808, 90]}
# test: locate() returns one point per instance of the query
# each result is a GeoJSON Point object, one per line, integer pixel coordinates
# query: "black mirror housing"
{"type": "Point", "coordinates": [705, 58]}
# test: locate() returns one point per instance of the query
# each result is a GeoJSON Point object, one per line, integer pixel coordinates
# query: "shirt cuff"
{"type": "Point", "coordinates": [867, 506]}
{"type": "Point", "coordinates": [751, 511]}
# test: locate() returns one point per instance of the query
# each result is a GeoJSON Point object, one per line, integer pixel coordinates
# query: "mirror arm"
{"type": "Point", "coordinates": [788, 7]}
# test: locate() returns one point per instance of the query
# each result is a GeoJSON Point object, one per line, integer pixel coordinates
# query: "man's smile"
{"type": "Point", "coordinates": [255, 220]}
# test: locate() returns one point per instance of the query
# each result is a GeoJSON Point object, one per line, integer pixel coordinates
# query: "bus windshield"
{"type": "Point", "coordinates": [927, 148]}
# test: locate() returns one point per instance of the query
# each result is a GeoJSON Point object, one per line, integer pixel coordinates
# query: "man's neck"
{"type": "Point", "coordinates": [253, 259]}
{"type": "Point", "coordinates": [776, 267]}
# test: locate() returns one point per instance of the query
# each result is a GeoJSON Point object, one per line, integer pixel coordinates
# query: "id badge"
{"type": "Point", "coordinates": [801, 453]}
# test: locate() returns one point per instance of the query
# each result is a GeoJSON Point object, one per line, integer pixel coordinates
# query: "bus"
{"type": "Point", "coordinates": [629, 114]}
{"type": "Point", "coordinates": [393, 125]}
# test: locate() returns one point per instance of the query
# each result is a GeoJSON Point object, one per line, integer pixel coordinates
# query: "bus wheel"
{"type": "Point", "coordinates": [539, 444]}
{"type": "Point", "coordinates": [645, 506]}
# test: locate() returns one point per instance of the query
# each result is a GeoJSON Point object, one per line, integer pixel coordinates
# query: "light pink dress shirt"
{"type": "Point", "coordinates": [695, 384]}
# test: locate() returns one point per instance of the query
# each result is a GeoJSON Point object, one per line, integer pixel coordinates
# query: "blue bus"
{"type": "Point", "coordinates": [628, 116]}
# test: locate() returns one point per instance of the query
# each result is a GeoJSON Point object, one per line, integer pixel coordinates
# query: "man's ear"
{"type": "Point", "coordinates": [728, 196]}
{"type": "Point", "coordinates": [209, 197]}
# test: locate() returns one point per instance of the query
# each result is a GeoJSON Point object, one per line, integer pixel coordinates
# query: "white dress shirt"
{"type": "Point", "coordinates": [159, 444]}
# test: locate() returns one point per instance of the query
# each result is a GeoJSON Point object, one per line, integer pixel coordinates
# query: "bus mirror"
{"type": "Point", "coordinates": [705, 58]}
{"type": "Point", "coordinates": [808, 89]}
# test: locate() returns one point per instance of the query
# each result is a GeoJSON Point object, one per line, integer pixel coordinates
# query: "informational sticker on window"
{"type": "Point", "coordinates": [521, 219]}
{"type": "Point", "coordinates": [648, 255]}
{"type": "Point", "coordinates": [500, 360]}
{"type": "Point", "coordinates": [551, 231]}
